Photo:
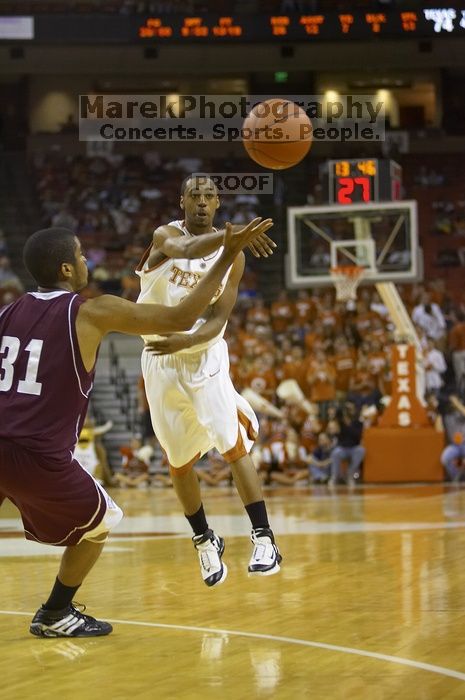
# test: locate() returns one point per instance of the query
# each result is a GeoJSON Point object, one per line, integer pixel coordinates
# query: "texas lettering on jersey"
{"type": "Point", "coordinates": [185, 278]}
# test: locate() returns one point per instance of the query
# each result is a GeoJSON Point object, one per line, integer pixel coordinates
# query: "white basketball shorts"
{"type": "Point", "coordinates": [194, 406]}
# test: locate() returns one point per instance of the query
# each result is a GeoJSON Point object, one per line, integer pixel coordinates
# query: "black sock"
{"type": "Point", "coordinates": [198, 521]}
{"type": "Point", "coordinates": [257, 514]}
{"type": "Point", "coordinates": [61, 596]}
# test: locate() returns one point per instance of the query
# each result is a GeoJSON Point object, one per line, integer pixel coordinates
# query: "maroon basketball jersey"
{"type": "Point", "coordinates": [44, 387]}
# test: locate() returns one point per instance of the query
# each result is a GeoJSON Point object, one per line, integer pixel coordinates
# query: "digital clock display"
{"type": "Point", "coordinates": [354, 168]}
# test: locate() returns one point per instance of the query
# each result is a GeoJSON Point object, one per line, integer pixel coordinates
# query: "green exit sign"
{"type": "Point", "coordinates": [281, 76]}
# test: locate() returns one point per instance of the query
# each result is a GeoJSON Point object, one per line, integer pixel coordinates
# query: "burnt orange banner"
{"type": "Point", "coordinates": [404, 410]}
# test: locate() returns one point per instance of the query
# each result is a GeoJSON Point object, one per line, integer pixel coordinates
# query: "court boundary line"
{"type": "Point", "coordinates": [431, 668]}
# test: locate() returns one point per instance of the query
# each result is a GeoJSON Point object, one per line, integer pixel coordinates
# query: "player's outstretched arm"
{"type": "Point", "coordinates": [167, 241]}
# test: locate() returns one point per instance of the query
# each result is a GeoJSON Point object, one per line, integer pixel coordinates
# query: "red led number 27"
{"type": "Point", "coordinates": [347, 186]}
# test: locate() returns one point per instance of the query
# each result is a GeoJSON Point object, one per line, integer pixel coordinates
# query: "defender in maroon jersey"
{"type": "Point", "coordinates": [48, 346]}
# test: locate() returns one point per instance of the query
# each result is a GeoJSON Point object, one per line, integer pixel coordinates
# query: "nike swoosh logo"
{"type": "Point", "coordinates": [215, 373]}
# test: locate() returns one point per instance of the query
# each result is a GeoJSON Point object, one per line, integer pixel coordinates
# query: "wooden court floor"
{"type": "Point", "coordinates": [369, 605]}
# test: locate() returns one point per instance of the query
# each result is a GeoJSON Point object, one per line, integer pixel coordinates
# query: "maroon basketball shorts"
{"type": "Point", "coordinates": [60, 503]}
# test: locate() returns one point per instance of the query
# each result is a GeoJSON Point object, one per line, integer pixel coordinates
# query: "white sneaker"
{"type": "Point", "coordinates": [210, 548]}
{"type": "Point", "coordinates": [265, 558]}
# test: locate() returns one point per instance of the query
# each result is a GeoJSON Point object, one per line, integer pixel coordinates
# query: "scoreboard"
{"type": "Point", "coordinates": [364, 180]}
{"type": "Point", "coordinates": [308, 27]}
{"type": "Point", "coordinates": [405, 22]}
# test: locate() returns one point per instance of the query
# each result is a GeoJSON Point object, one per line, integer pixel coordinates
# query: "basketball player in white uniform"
{"type": "Point", "coordinates": [193, 403]}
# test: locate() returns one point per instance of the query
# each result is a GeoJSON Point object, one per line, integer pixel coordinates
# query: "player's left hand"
{"type": "Point", "coordinates": [262, 247]}
{"type": "Point", "coordinates": [168, 344]}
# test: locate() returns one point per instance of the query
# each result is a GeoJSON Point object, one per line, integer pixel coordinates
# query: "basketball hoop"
{"type": "Point", "coordinates": [346, 280]}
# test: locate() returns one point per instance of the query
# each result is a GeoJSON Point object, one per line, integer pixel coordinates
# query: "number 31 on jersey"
{"type": "Point", "coordinates": [9, 351]}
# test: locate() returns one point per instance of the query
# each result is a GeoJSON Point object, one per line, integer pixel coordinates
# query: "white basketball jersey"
{"type": "Point", "coordinates": [172, 279]}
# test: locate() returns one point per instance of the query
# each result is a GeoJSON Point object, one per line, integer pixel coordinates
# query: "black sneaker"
{"type": "Point", "coordinates": [69, 622]}
{"type": "Point", "coordinates": [210, 549]}
{"type": "Point", "coordinates": [265, 559]}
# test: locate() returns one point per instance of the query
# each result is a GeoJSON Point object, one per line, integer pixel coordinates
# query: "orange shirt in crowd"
{"type": "Point", "coordinates": [363, 382]}
{"type": "Point", "coordinates": [377, 362]}
{"type": "Point", "coordinates": [263, 346]}
{"type": "Point", "coordinates": [321, 380]}
{"type": "Point", "coordinates": [248, 343]}
{"type": "Point", "coordinates": [282, 315]}
{"type": "Point", "coordinates": [378, 334]}
{"type": "Point", "coordinates": [344, 364]}
{"type": "Point", "coordinates": [364, 321]}
{"type": "Point", "coordinates": [330, 317]}
{"type": "Point", "coordinates": [293, 370]}
{"type": "Point", "coordinates": [305, 311]}
{"type": "Point", "coordinates": [312, 339]}
{"type": "Point", "coordinates": [262, 381]}
{"type": "Point", "coordinates": [259, 315]}
{"type": "Point", "coordinates": [234, 344]}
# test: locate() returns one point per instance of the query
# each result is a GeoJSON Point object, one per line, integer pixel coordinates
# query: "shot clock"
{"type": "Point", "coordinates": [362, 180]}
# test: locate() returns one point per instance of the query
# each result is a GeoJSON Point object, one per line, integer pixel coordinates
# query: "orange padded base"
{"type": "Point", "coordinates": [402, 454]}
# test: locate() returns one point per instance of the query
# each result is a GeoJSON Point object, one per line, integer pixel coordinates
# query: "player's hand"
{"type": "Point", "coordinates": [263, 246]}
{"type": "Point", "coordinates": [234, 242]}
{"type": "Point", "coordinates": [168, 344]}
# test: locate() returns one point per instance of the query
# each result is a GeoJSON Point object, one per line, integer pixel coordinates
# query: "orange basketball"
{"type": "Point", "coordinates": [277, 134]}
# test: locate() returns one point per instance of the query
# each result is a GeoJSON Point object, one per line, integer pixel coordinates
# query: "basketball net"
{"type": "Point", "coordinates": [346, 280]}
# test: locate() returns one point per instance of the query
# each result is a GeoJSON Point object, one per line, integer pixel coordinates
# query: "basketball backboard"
{"type": "Point", "coordinates": [381, 237]}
